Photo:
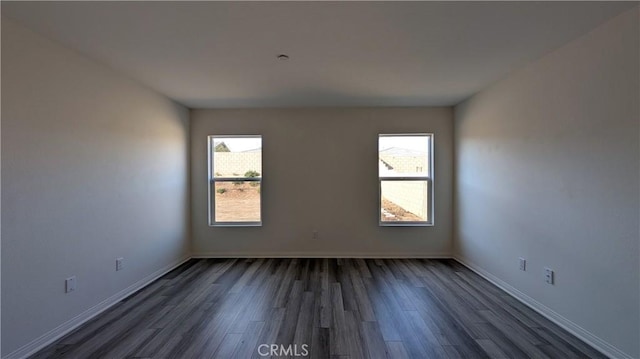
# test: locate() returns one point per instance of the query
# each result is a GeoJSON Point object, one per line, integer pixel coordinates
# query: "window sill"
{"type": "Point", "coordinates": [405, 224]}
{"type": "Point", "coordinates": [236, 224]}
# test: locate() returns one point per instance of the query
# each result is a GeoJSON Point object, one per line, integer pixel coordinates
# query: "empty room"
{"type": "Point", "coordinates": [321, 179]}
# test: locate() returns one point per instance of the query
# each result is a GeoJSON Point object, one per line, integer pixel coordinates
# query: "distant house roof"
{"type": "Point", "coordinates": [220, 146]}
{"type": "Point", "coordinates": [403, 152]}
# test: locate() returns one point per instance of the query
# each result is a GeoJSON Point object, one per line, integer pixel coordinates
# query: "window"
{"type": "Point", "coordinates": [235, 180]}
{"type": "Point", "coordinates": [405, 173]}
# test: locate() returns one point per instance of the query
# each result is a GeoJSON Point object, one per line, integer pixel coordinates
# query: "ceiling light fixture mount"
{"type": "Point", "coordinates": [283, 57]}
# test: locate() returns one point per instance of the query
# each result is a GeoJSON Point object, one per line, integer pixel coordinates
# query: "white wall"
{"type": "Point", "coordinates": [547, 167]}
{"type": "Point", "coordinates": [0, 207]}
{"type": "Point", "coordinates": [94, 167]}
{"type": "Point", "coordinates": [320, 169]}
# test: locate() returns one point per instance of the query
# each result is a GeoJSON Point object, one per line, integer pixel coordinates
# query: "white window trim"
{"type": "Point", "coordinates": [429, 179]}
{"type": "Point", "coordinates": [212, 182]}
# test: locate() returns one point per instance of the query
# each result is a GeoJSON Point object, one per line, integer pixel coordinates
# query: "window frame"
{"type": "Point", "coordinates": [212, 179]}
{"type": "Point", "coordinates": [429, 178]}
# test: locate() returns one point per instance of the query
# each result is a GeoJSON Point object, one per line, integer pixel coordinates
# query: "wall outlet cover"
{"type": "Point", "coordinates": [119, 263]}
{"type": "Point", "coordinates": [548, 275]}
{"type": "Point", "coordinates": [70, 284]}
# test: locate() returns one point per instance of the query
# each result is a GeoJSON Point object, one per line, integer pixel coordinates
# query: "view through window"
{"type": "Point", "coordinates": [405, 175]}
{"type": "Point", "coordinates": [235, 178]}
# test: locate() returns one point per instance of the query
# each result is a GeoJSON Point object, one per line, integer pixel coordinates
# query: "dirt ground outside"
{"type": "Point", "coordinates": [391, 212]}
{"type": "Point", "coordinates": [240, 202]}
{"type": "Point", "coordinates": [237, 202]}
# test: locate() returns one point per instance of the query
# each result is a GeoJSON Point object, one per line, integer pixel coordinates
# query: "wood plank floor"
{"type": "Point", "coordinates": [339, 308]}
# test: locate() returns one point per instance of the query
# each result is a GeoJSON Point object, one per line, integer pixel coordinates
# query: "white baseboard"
{"type": "Point", "coordinates": [573, 328]}
{"type": "Point", "coordinates": [317, 255]}
{"type": "Point", "coordinates": [90, 313]}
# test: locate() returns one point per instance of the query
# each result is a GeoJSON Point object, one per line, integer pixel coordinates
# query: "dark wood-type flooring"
{"type": "Point", "coordinates": [340, 308]}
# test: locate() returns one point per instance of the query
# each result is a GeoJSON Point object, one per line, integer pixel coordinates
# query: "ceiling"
{"type": "Point", "coordinates": [223, 54]}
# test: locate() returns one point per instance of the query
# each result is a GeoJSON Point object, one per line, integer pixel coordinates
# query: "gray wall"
{"type": "Point", "coordinates": [320, 172]}
{"type": "Point", "coordinates": [94, 167]}
{"type": "Point", "coordinates": [547, 164]}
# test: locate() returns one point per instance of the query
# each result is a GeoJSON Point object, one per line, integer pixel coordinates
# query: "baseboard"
{"type": "Point", "coordinates": [573, 328]}
{"type": "Point", "coordinates": [90, 313]}
{"type": "Point", "coordinates": [317, 255]}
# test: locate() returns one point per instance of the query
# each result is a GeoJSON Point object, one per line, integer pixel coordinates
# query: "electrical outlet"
{"type": "Point", "coordinates": [119, 263]}
{"type": "Point", "coordinates": [314, 234]}
{"type": "Point", "coordinates": [523, 264]}
{"type": "Point", "coordinates": [548, 275]}
{"type": "Point", "coordinates": [70, 284]}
